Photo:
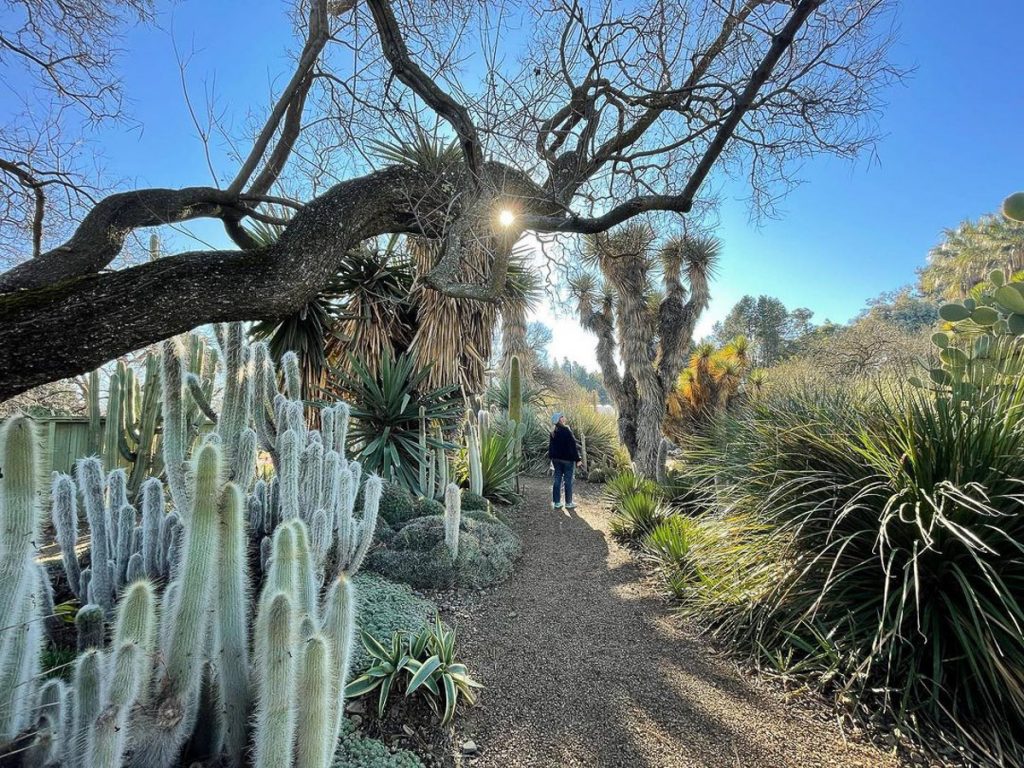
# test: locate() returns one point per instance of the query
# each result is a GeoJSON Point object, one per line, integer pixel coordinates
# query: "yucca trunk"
{"type": "Point", "coordinates": [454, 335]}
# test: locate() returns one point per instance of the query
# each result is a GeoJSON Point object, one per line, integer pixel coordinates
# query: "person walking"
{"type": "Point", "coordinates": [565, 457]}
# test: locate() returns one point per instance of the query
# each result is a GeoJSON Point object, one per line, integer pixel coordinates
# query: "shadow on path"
{"type": "Point", "coordinates": [584, 666]}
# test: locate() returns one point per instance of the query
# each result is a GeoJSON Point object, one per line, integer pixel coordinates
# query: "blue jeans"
{"type": "Point", "coordinates": [563, 471]}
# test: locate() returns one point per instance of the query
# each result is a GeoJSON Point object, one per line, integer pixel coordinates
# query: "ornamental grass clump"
{"type": "Point", "coordinates": [897, 525]}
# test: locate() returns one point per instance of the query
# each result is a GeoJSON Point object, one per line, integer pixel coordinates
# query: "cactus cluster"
{"type": "Point", "coordinates": [169, 667]}
{"type": "Point", "coordinates": [432, 462]}
{"type": "Point", "coordinates": [981, 342]}
{"type": "Point", "coordinates": [129, 434]}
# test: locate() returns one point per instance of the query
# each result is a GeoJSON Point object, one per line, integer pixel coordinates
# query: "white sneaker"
{"type": "Point", "coordinates": [570, 505]}
{"type": "Point", "coordinates": [555, 506]}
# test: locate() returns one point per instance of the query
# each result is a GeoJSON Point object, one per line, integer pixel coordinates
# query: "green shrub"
{"type": "Point", "coordinates": [417, 555]}
{"type": "Point", "coordinates": [897, 527]}
{"type": "Point", "coordinates": [597, 475]}
{"type": "Point", "coordinates": [358, 751]}
{"type": "Point", "coordinates": [384, 608]}
{"type": "Point", "coordinates": [483, 516]}
{"type": "Point", "coordinates": [396, 504]}
{"type": "Point", "coordinates": [636, 516]}
{"type": "Point", "coordinates": [472, 500]}
{"type": "Point", "coordinates": [625, 484]}
{"type": "Point", "coordinates": [423, 507]}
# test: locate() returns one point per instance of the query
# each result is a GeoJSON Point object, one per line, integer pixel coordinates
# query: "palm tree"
{"type": "Point", "coordinates": [970, 252]}
{"type": "Point", "coordinates": [454, 336]}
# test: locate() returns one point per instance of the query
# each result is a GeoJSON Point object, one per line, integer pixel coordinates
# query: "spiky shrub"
{"type": "Point", "coordinates": [386, 411]}
{"type": "Point", "coordinates": [419, 556]}
{"type": "Point", "coordinates": [155, 695]}
{"type": "Point", "coordinates": [636, 515]}
{"type": "Point", "coordinates": [896, 527]}
{"type": "Point", "coordinates": [625, 484]}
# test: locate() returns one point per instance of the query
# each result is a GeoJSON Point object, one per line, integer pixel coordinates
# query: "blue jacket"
{"type": "Point", "coordinates": [562, 445]}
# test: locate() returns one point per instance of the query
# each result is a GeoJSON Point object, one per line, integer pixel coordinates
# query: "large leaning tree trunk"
{"type": "Point", "coordinates": [610, 115]}
{"type": "Point", "coordinates": [649, 325]}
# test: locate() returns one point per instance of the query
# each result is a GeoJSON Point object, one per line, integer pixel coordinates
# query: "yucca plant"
{"type": "Point", "coordinates": [625, 484]}
{"type": "Point", "coordinates": [306, 332]}
{"type": "Point", "coordinates": [636, 516]}
{"type": "Point", "coordinates": [375, 314]}
{"type": "Point", "coordinates": [386, 408]}
{"type": "Point", "coordinates": [709, 384]}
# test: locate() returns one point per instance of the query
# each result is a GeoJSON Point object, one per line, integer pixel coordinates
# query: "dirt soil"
{"type": "Point", "coordinates": [584, 665]}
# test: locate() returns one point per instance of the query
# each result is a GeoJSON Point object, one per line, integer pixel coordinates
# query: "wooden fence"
{"type": "Point", "coordinates": [62, 441]}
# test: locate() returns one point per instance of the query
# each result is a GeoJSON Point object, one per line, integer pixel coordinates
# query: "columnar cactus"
{"type": "Point", "coordinates": [275, 712]}
{"type": "Point", "coordinates": [452, 518]}
{"type": "Point", "coordinates": [476, 476]}
{"type": "Point", "coordinates": [65, 523]}
{"type": "Point", "coordinates": [231, 626]}
{"type": "Point", "coordinates": [191, 676]}
{"type": "Point", "coordinates": [515, 391]}
{"type": "Point", "coordinates": [313, 744]}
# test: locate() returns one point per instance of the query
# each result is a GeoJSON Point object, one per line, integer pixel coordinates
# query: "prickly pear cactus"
{"type": "Point", "coordinates": [1013, 207]}
{"type": "Point", "coordinates": [982, 337]}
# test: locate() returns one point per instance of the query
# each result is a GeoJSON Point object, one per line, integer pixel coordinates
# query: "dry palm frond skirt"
{"type": "Point", "coordinates": [454, 335]}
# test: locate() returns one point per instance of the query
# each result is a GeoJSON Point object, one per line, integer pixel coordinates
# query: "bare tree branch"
{"type": "Point", "coordinates": [409, 72]}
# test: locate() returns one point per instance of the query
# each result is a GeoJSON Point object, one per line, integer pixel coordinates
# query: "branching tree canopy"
{"type": "Point", "coordinates": [595, 115]}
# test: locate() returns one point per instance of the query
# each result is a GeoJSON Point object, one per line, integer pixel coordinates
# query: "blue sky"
{"type": "Point", "coordinates": [952, 149]}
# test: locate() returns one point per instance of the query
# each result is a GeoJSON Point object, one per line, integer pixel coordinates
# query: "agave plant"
{"type": "Point", "coordinates": [423, 663]}
{"type": "Point", "coordinates": [387, 410]}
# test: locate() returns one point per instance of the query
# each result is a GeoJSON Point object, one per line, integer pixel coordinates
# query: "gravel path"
{"type": "Point", "coordinates": [584, 666]}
